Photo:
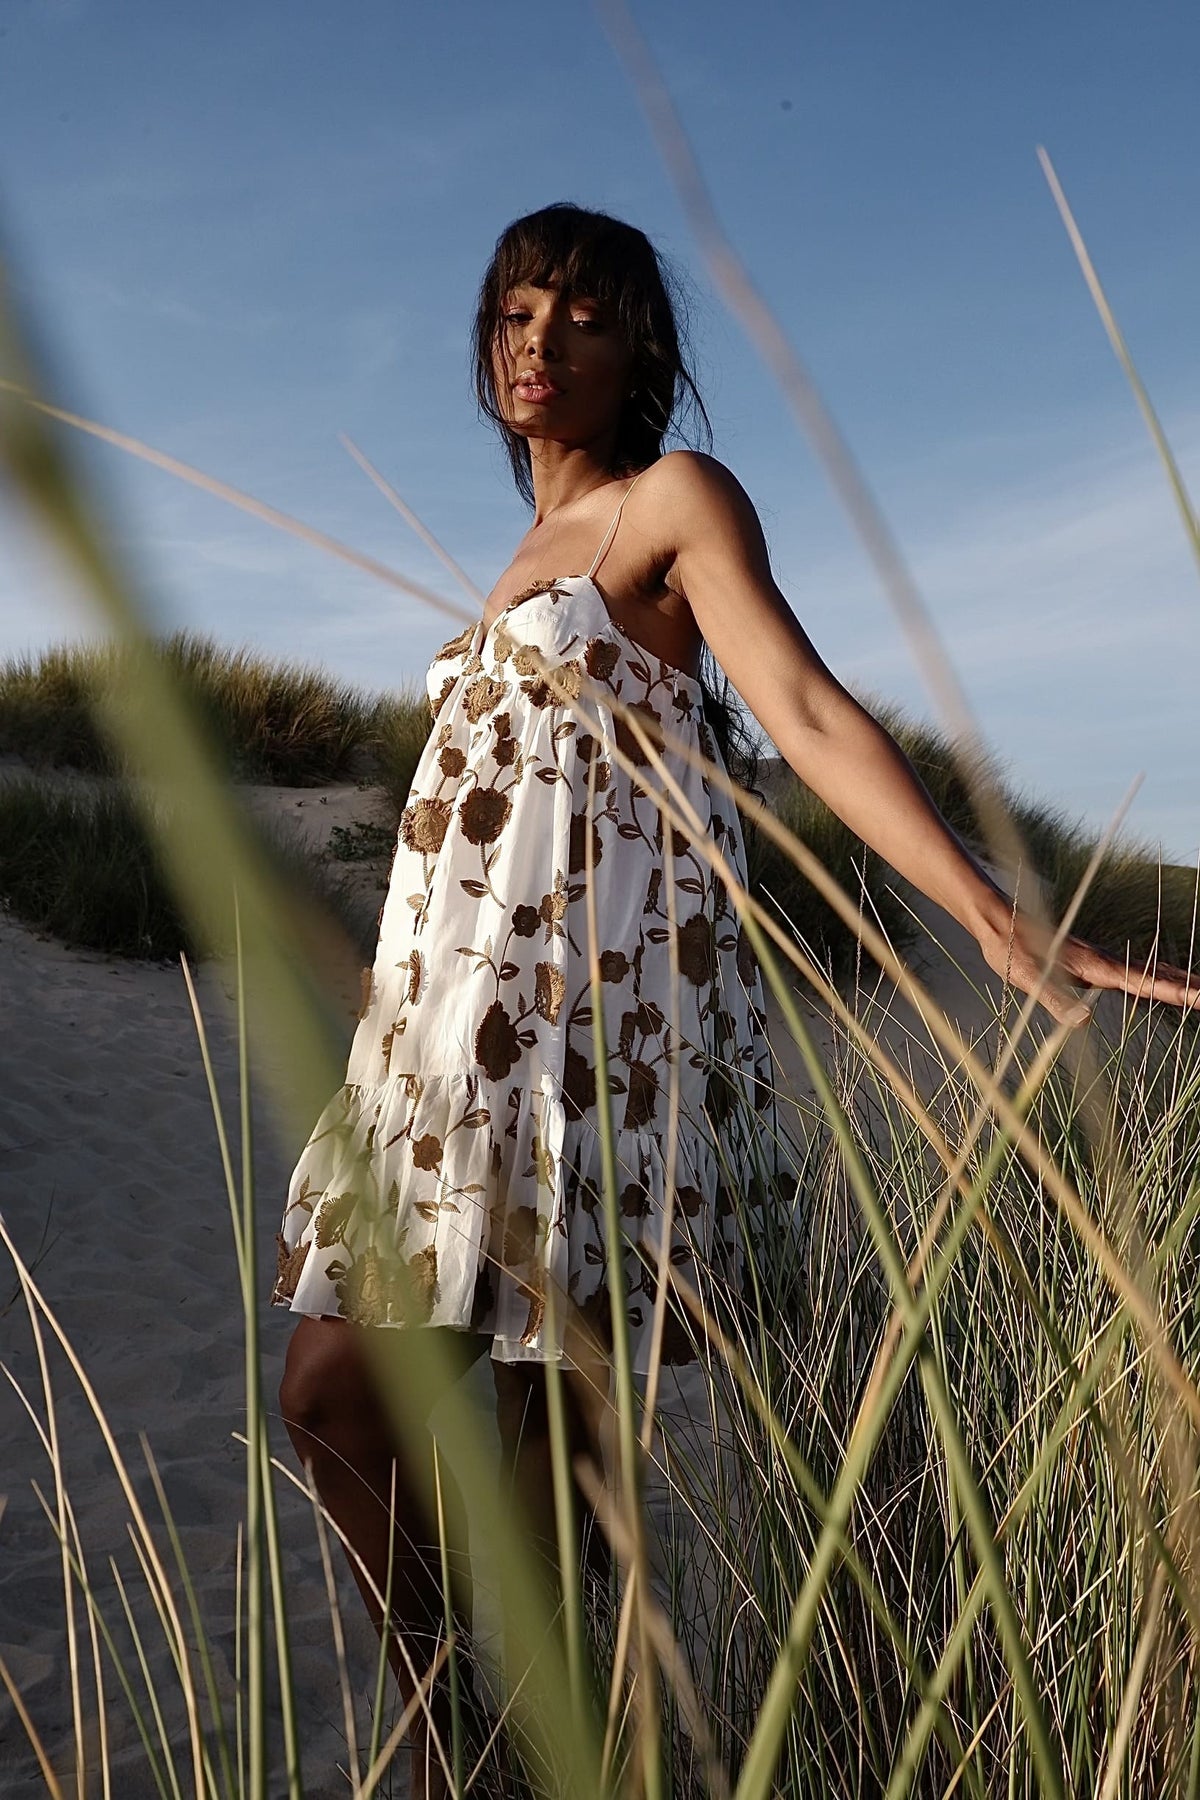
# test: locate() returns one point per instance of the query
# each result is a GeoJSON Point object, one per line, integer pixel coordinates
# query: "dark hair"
{"type": "Point", "coordinates": [588, 253]}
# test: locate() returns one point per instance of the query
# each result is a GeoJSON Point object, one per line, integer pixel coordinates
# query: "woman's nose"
{"type": "Point", "coordinates": [540, 340]}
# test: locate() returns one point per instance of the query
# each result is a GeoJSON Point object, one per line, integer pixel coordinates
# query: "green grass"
{"type": "Point", "coordinates": [82, 866]}
{"type": "Point", "coordinates": [276, 721]}
{"type": "Point", "coordinates": [291, 725]}
{"type": "Point", "coordinates": [934, 1525]}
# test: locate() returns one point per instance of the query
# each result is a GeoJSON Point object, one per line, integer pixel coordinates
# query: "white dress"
{"type": "Point", "coordinates": [457, 1172]}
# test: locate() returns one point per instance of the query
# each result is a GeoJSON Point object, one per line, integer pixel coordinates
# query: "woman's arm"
{"type": "Point", "coordinates": [833, 744]}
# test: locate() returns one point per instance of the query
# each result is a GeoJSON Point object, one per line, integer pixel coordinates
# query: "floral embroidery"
{"type": "Point", "coordinates": [548, 992]}
{"type": "Point", "coordinates": [456, 1176]}
{"type": "Point", "coordinates": [423, 825]}
{"type": "Point", "coordinates": [497, 1046]}
{"type": "Point", "coordinates": [483, 696]}
{"type": "Point", "coordinates": [484, 814]}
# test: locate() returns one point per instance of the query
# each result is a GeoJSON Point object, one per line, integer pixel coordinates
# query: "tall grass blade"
{"type": "Point", "coordinates": [1183, 500]}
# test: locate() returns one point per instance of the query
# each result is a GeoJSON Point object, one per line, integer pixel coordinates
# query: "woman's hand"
{"type": "Point", "coordinates": [1018, 953]}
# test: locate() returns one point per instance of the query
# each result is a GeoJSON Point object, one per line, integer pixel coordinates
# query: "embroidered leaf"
{"type": "Point", "coordinates": [476, 889]}
{"type": "Point", "coordinates": [690, 884]}
{"type": "Point", "coordinates": [473, 1120]}
{"type": "Point", "coordinates": [629, 831]}
{"type": "Point", "coordinates": [549, 776]}
{"type": "Point", "coordinates": [565, 730]}
{"type": "Point", "coordinates": [508, 970]}
{"type": "Point", "coordinates": [639, 670]}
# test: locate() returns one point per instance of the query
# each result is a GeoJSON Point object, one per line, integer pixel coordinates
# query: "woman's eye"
{"type": "Point", "coordinates": [514, 318]}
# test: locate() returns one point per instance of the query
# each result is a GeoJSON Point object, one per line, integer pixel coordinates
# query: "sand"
{"type": "Point", "coordinates": [111, 1186]}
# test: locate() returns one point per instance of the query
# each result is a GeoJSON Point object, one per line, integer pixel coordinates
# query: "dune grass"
{"type": "Point", "coordinates": [293, 725]}
{"type": "Point", "coordinates": [932, 1527]}
{"type": "Point", "coordinates": [276, 721]}
{"type": "Point", "coordinates": [82, 864]}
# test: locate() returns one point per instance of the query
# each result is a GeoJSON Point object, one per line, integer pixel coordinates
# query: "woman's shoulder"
{"type": "Point", "coordinates": [690, 493]}
{"type": "Point", "coordinates": [690, 474]}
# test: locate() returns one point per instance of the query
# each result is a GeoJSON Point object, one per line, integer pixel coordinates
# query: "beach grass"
{"type": "Point", "coordinates": [932, 1526]}
{"type": "Point", "coordinates": [294, 725]}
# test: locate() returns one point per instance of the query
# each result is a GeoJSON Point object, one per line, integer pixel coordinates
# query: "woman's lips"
{"type": "Point", "coordinates": [537, 392]}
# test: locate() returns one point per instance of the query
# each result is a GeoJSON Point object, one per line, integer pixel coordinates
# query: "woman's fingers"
{"type": "Point", "coordinates": [1159, 981]}
{"type": "Point", "coordinates": [1083, 965]}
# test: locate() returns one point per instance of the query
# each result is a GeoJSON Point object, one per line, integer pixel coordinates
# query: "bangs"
{"type": "Point", "coordinates": [601, 262]}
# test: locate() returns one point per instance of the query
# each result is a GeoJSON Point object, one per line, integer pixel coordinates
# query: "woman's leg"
{"type": "Point", "coordinates": [339, 1422]}
{"type": "Point", "coordinates": [527, 1465]}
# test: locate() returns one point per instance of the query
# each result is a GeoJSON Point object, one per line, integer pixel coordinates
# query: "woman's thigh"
{"type": "Point", "coordinates": [363, 1376]}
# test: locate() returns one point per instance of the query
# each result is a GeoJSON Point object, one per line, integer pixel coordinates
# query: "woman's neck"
{"type": "Point", "coordinates": [564, 473]}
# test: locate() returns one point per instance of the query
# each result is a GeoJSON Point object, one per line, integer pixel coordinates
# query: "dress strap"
{"type": "Point", "coordinates": [606, 540]}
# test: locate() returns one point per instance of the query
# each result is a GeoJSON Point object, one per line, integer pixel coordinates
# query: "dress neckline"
{"type": "Point", "coordinates": [483, 632]}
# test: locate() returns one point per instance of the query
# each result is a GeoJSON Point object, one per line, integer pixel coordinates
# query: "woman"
{"type": "Point", "coordinates": [465, 1139]}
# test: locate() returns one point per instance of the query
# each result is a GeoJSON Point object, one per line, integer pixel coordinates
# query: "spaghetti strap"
{"type": "Point", "coordinates": [606, 540]}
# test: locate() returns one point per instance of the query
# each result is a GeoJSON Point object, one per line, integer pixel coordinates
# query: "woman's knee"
{"type": "Point", "coordinates": [327, 1390]}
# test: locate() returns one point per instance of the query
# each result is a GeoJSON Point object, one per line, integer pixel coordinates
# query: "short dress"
{"type": "Point", "coordinates": [456, 1177]}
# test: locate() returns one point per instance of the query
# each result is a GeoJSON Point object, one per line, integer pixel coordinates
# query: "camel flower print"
{"type": "Point", "coordinates": [456, 1179]}
{"type": "Point", "coordinates": [484, 814]}
{"type": "Point", "coordinates": [423, 825]}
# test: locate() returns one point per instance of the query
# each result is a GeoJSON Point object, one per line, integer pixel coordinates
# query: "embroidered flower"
{"type": "Point", "coordinates": [525, 920]}
{"type": "Point", "coordinates": [696, 950]}
{"type": "Point", "coordinates": [447, 688]}
{"type": "Point", "coordinates": [601, 657]}
{"type": "Point", "coordinates": [629, 742]}
{"type": "Point", "coordinates": [554, 905]}
{"type": "Point", "coordinates": [641, 1095]}
{"type": "Point", "coordinates": [452, 761]}
{"type": "Point", "coordinates": [614, 965]}
{"type": "Point", "coordinates": [366, 992]}
{"type": "Point", "coordinates": [331, 1219]}
{"type": "Point", "coordinates": [289, 1263]}
{"type": "Point", "coordinates": [482, 696]}
{"type": "Point", "coordinates": [361, 1289]}
{"type": "Point", "coordinates": [457, 646]}
{"type": "Point", "coordinates": [423, 825]}
{"type": "Point", "coordinates": [484, 814]}
{"type": "Point", "coordinates": [579, 1084]}
{"type": "Point", "coordinates": [549, 988]}
{"type": "Point", "coordinates": [497, 1046]}
{"type": "Point", "coordinates": [422, 1285]}
{"type": "Point", "coordinates": [577, 857]}
{"type": "Point", "coordinates": [427, 1152]}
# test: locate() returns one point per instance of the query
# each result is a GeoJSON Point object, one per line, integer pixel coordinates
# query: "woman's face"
{"type": "Point", "coordinates": [562, 367]}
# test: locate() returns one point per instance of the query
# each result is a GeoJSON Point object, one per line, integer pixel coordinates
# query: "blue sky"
{"type": "Point", "coordinates": [243, 230]}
